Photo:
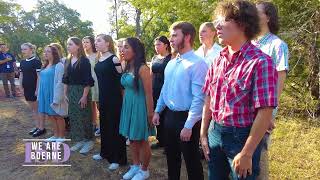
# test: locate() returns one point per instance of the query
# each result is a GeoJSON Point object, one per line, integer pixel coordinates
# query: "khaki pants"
{"type": "Point", "coordinates": [8, 77]}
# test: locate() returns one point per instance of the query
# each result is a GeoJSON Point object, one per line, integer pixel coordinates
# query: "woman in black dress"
{"type": "Point", "coordinates": [108, 70]}
{"type": "Point", "coordinates": [158, 64]}
{"type": "Point", "coordinates": [29, 78]}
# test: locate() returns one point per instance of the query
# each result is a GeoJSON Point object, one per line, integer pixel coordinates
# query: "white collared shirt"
{"type": "Point", "coordinates": [212, 54]}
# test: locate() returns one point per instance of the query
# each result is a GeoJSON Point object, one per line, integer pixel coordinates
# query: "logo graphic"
{"type": "Point", "coordinates": [41, 152]}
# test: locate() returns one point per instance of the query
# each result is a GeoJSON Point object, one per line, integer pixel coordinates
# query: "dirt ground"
{"type": "Point", "coordinates": [16, 121]}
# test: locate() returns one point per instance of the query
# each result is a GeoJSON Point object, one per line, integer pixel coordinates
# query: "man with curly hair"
{"type": "Point", "coordinates": [241, 89]}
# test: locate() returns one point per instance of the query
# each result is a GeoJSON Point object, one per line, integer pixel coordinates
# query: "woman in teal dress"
{"type": "Point", "coordinates": [137, 108]}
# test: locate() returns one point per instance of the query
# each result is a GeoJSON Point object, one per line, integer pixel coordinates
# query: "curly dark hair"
{"type": "Point", "coordinates": [139, 58]}
{"type": "Point", "coordinates": [271, 12]}
{"type": "Point", "coordinates": [242, 12]}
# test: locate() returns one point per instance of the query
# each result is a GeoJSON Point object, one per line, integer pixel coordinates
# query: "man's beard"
{"type": "Point", "coordinates": [180, 45]}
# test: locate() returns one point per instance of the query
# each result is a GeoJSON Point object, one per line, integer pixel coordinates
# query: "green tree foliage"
{"type": "Point", "coordinates": [50, 21]}
{"type": "Point", "coordinates": [300, 28]}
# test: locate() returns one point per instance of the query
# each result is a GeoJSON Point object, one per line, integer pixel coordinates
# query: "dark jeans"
{"type": "Point", "coordinates": [174, 123]}
{"type": "Point", "coordinates": [8, 77]}
{"type": "Point", "coordinates": [225, 143]}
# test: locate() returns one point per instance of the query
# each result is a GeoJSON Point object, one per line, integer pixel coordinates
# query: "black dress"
{"type": "Point", "coordinates": [158, 67]}
{"type": "Point", "coordinates": [29, 68]}
{"type": "Point", "coordinates": [113, 145]}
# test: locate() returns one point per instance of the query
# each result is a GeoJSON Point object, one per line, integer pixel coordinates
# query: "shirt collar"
{"type": "Point", "coordinates": [243, 50]}
{"type": "Point", "coordinates": [263, 39]}
{"type": "Point", "coordinates": [30, 59]}
{"type": "Point", "coordinates": [185, 55]}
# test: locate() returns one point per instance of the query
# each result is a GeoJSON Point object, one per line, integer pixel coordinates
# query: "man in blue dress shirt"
{"type": "Point", "coordinates": [182, 95]}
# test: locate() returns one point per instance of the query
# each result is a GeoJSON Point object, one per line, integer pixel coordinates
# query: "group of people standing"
{"type": "Point", "coordinates": [224, 98]}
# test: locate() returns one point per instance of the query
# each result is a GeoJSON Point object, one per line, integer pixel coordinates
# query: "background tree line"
{"type": "Point", "coordinates": [52, 21]}
{"type": "Point", "coordinates": [299, 27]}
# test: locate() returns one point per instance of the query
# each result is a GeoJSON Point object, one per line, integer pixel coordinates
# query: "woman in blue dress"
{"type": "Point", "coordinates": [137, 108]}
{"type": "Point", "coordinates": [51, 92]}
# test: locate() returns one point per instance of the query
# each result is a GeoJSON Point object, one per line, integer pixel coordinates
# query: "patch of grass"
{"type": "Point", "coordinates": [295, 149]}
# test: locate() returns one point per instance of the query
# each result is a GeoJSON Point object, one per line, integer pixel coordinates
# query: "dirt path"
{"type": "Point", "coordinates": [15, 122]}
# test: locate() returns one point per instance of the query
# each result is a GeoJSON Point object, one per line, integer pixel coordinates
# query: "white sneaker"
{"type": "Point", "coordinates": [128, 142]}
{"type": "Point", "coordinates": [97, 133]}
{"type": "Point", "coordinates": [88, 145]}
{"type": "Point", "coordinates": [77, 146]}
{"type": "Point", "coordinates": [97, 157]}
{"type": "Point", "coordinates": [113, 166]}
{"type": "Point", "coordinates": [134, 169]}
{"type": "Point", "coordinates": [60, 139]}
{"type": "Point", "coordinates": [141, 175]}
{"type": "Point", "coordinates": [51, 139]}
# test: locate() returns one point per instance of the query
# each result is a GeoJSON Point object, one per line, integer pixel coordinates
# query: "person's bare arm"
{"type": "Point", "coordinates": [282, 75]}
{"type": "Point", "coordinates": [5, 61]}
{"type": "Point", "coordinates": [206, 117]}
{"type": "Point", "coordinates": [38, 77]}
{"type": "Point", "coordinates": [145, 76]}
{"type": "Point", "coordinates": [20, 81]}
{"type": "Point", "coordinates": [243, 160]}
{"type": "Point", "coordinates": [84, 99]}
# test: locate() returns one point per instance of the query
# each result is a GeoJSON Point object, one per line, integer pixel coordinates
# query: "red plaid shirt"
{"type": "Point", "coordinates": [238, 88]}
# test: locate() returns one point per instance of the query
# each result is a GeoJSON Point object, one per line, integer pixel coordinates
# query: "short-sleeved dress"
{"type": "Point", "coordinates": [46, 91]}
{"type": "Point", "coordinates": [94, 89]}
{"type": "Point", "coordinates": [29, 68]}
{"type": "Point", "coordinates": [134, 116]}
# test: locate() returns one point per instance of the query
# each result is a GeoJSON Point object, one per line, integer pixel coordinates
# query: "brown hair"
{"type": "Point", "coordinates": [80, 53]}
{"type": "Point", "coordinates": [271, 12]}
{"type": "Point", "coordinates": [108, 39]}
{"type": "Point", "coordinates": [243, 13]}
{"type": "Point", "coordinates": [186, 28]}
{"type": "Point", "coordinates": [59, 48]}
{"type": "Point", "coordinates": [55, 55]}
{"type": "Point", "coordinates": [91, 39]}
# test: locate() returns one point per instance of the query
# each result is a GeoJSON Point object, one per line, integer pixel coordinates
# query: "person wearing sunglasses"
{"type": "Point", "coordinates": [241, 89]}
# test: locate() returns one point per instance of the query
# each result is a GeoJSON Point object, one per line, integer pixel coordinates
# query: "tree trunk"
{"type": "Point", "coordinates": [315, 74]}
{"type": "Point", "coordinates": [138, 25]}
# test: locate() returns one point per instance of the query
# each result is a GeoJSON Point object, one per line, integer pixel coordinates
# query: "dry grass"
{"type": "Point", "coordinates": [294, 153]}
{"type": "Point", "coordinates": [295, 149]}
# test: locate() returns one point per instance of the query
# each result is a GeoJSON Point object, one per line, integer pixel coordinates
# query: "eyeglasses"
{"type": "Point", "coordinates": [220, 22]}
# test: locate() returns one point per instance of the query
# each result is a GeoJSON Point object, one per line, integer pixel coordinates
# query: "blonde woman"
{"type": "Point", "coordinates": [29, 78]}
{"type": "Point", "coordinates": [109, 70]}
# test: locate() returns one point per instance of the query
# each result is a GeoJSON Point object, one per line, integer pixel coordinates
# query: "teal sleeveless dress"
{"type": "Point", "coordinates": [134, 117]}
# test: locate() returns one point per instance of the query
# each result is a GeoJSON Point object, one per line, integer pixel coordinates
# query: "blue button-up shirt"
{"type": "Point", "coordinates": [182, 89]}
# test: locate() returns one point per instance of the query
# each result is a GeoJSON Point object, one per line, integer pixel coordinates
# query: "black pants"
{"type": "Point", "coordinates": [174, 123]}
{"type": "Point", "coordinates": [160, 129]}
